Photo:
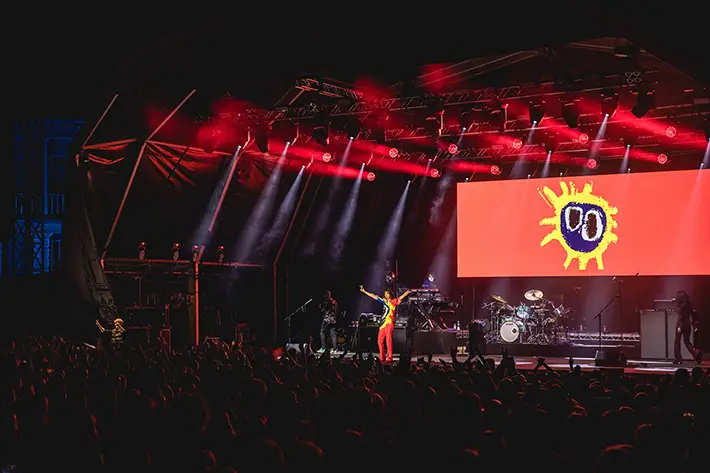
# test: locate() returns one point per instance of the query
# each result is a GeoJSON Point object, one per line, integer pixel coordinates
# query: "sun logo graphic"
{"type": "Point", "coordinates": [583, 224]}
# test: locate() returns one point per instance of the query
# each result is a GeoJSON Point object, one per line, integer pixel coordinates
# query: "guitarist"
{"type": "Point", "coordinates": [329, 310]}
{"type": "Point", "coordinates": [386, 332]}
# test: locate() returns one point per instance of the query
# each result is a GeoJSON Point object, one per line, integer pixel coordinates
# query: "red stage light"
{"type": "Point", "coordinates": [671, 132]}
{"type": "Point", "coordinates": [327, 157]}
{"type": "Point", "coordinates": [370, 176]}
{"type": "Point", "coordinates": [394, 152]}
{"type": "Point", "coordinates": [434, 173]}
{"type": "Point", "coordinates": [453, 149]}
{"type": "Point", "coordinates": [495, 170]}
{"type": "Point", "coordinates": [662, 159]}
{"type": "Point", "coordinates": [592, 163]}
{"type": "Point", "coordinates": [517, 143]}
{"type": "Point", "coordinates": [584, 138]}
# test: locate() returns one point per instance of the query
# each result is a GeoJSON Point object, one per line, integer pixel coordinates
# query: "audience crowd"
{"type": "Point", "coordinates": [219, 408]}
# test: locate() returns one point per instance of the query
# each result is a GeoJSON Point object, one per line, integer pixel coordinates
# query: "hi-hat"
{"type": "Point", "coordinates": [499, 299]}
{"type": "Point", "coordinates": [534, 295]}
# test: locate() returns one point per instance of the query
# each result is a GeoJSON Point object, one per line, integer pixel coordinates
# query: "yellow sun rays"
{"type": "Point", "coordinates": [571, 196]}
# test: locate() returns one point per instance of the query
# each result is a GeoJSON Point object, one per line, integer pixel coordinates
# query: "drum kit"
{"type": "Point", "coordinates": [536, 321]}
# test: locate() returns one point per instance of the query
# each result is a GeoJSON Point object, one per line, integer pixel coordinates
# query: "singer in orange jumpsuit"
{"type": "Point", "coordinates": [384, 336]}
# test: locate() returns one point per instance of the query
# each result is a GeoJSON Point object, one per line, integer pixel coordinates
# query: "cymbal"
{"type": "Point", "coordinates": [534, 295]}
{"type": "Point", "coordinates": [499, 299]}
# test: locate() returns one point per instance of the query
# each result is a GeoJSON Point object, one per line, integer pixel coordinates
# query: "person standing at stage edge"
{"type": "Point", "coordinates": [687, 322]}
{"type": "Point", "coordinates": [386, 332]}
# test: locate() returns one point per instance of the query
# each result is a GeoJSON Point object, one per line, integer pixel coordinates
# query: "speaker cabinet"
{"type": "Point", "coordinates": [433, 342]}
{"type": "Point", "coordinates": [367, 340]}
{"type": "Point", "coordinates": [654, 345]}
{"type": "Point", "coordinates": [658, 330]}
{"type": "Point", "coordinates": [610, 358]}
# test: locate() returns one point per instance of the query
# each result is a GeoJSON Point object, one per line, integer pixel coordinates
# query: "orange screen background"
{"type": "Point", "coordinates": [663, 226]}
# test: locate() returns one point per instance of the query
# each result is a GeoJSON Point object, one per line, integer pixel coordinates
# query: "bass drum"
{"type": "Point", "coordinates": [510, 331]}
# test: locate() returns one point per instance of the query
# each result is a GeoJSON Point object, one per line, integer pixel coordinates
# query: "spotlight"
{"type": "Point", "coordinates": [536, 112]}
{"type": "Point", "coordinates": [285, 131]}
{"type": "Point", "coordinates": [394, 152]}
{"type": "Point", "coordinates": [327, 157]}
{"type": "Point", "coordinates": [644, 103]}
{"type": "Point", "coordinates": [671, 132]}
{"type": "Point", "coordinates": [453, 149]}
{"type": "Point", "coordinates": [610, 101]}
{"type": "Point", "coordinates": [592, 163]}
{"type": "Point", "coordinates": [435, 173]}
{"type": "Point", "coordinates": [141, 250]}
{"type": "Point", "coordinates": [220, 254]}
{"type": "Point", "coordinates": [517, 143]}
{"type": "Point", "coordinates": [495, 170]}
{"type": "Point", "coordinates": [570, 113]}
{"type": "Point", "coordinates": [371, 176]}
{"type": "Point", "coordinates": [662, 159]}
{"type": "Point", "coordinates": [583, 138]}
{"type": "Point", "coordinates": [195, 253]}
{"type": "Point", "coordinates": [176, 251]}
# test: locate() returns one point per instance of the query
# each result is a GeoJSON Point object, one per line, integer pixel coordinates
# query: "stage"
{"type": "Point", "coordinates": [527, 363]}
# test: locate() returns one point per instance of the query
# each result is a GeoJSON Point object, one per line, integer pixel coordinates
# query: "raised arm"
{"type": "Point", "coordinates": [98, 324]}
{"type": "Point", "coordinates": [369, 294]}
{"type": "Point", "coordinates": [406, 293]}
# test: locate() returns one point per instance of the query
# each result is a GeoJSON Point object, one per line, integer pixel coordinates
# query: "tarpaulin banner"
{"type": "Point", "coordinates": [624, 224]}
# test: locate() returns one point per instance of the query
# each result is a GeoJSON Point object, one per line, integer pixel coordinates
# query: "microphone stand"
{"type": "Point", "coordinates": [599, 317]}
{"type": "Point", "coordinates": [291, 315]}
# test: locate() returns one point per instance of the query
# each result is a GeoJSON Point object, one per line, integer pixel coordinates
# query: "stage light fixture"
{"type": "Point", "coordinates": [536, 112]}
{"type": "Point", "coordinates": [394, 152]}
{"type": "Point", "coordinates": [141, 250]}
{"type": "Point", "coordinates": [517, 143]}
{"type": "Point", "coordinates": [434, 125]}
{"type": "Point", "coordinates": [495, 170]}
{"type": "Point", "coordinates": [327, 157]}
{"type": "Point", "coordinates": [498, 118]}
{"type": "Point", "coordinates": [662, 158]}
{"type": "Point", "coordinates": [465, 121]}
{"type": "Point", "coordinates": [583, 138]}
{"type": "Point", "coordinates": [435, 173]}
{"type": "Point", "coordinates": [220, 254]}
{"type": "Point", "coordinates": [285, 131]}
{"type": "Point", "coordinates": [671, 132]}
{"type": "Point", "coordinates": [261, 137]}
{"type": "Point", "coordinates": [176, 251]}
{"type": "Point", "coordinates": [453, 149]}
{"type": "Point", "coordinates": [209, 137]}
{"type": "Point", "coordinates": [352, 128]}
{"type": "Point", "coordinates": [195, 253]}
{"type": "Point", "coordinates": [609, 104]}
{"type": "Point", "coordinates": [371, 176]}
{"type": "Point", "coordinates": [592, 163]}
{"type": "Point", "coordinates": [644, 103]}
{"type": "Point", "coordinates": [321, 133]}
{"type": "Point", "coordinates": [570, 113]}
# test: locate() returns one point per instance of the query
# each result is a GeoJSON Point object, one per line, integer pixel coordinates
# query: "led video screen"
{"type": "Point", "coordinates": [616, 225]}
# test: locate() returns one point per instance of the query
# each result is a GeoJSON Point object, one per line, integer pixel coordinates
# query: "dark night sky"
{"type": "Point", "coordinates": [64, 63]}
